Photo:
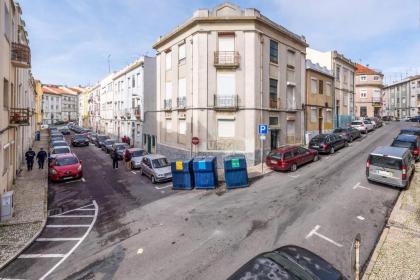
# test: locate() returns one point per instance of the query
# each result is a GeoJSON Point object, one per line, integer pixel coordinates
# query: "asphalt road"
{"type": "Point", "coordinates": [146, 233]}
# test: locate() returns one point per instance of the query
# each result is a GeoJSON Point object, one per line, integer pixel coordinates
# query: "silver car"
{"type": "Point", "coordinates": [137, 155]}
{"type": "Point", "coordinates": [156, 167]}
{"type": "Point", "coordinates": [391, 166]}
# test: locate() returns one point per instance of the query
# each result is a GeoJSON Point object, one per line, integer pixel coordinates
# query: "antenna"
{"type": "Point", "coordinates": [109, 63]}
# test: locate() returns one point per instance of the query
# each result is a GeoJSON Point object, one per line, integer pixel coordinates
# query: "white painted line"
{"type": "Point", "coordinates": [294, 176]}
{"type": "Point", "coordinates": [12, 279]}
{"type": "Point", "coordinates": [314, 232]}
{"type": "Point", "coordinates": [73, 181]}
{"type": "Point", "coordinates": [35, 256]}
{"type": "Point", "coordinates": [66, 226]}
{"type": "Point", "coordinates": [361, 218]}
{"type": "Point", "coordinates": [57, 239]}
{"type": "Point", "coordinates": [133, 172]}
{"type": "Point", "coordinates": [85, 207]}
{"type": "Point", "coordinates": [140, 251]}
{"type": "Point", "coordinates": [361, 187]}
{"type": "Point", "coordinates": [83, 179]}
{"type": "Point", "coordinates": [72, 216]}
{"type": "Point", "coordinates": [164, 187]}
{"type": "Point", "coordinates": [75, 246]}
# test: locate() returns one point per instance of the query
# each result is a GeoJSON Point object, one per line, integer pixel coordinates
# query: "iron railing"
{"type": "Point", "coordinates": [167, 104]}
{"type": "Point", "coordinates": [19, 116]}
{"type": "Point", "coordinates": [226, 58]}
{"type": "Point", "coordinates": [21, 55]}
{"type": "Point", "coordinates": [226, 101]}
{"type": "Point", "coordinates": [181, 102]}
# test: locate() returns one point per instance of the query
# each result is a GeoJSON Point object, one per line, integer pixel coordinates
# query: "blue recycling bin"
{"type": "Point", "coordinates": [37, 135]}
{"type": "Point", "coordinates": [182, 174]}
{"type": "Point", "coordinates": [205, 172]}
{"type": "Point", "coordinates": [236, 174]}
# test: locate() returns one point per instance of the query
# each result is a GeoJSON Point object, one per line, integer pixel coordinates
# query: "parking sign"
{"type": "Point", "coordinates": [262, 129]}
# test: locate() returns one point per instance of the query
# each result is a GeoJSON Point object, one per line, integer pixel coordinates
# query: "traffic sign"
{"type": "Point", "coordinates": [262, 136]}
{"type": "Point", "coordinates": [262, 129]}
{"type": "Point", "coordinates": [195, 140]}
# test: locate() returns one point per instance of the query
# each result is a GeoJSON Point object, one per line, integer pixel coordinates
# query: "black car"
{"type": "Point", "coordinates": [411, 131]}
{"type": "Point", "coordinates": [348, 133]}
{"type": "Point", "coordinates": [287, 262]}
{"type": "Point", "coordinates": [100, 140]}
{"type": "Point", "coordinates": [327, 143]}
{"type": "Point", "coordinates": [415, 119]}
{"type": "Point", "coordinates": [64, 131]}
{"type": "Point", "coordinates": [79, 140]}
{"type": "Point", "coordinates": [412, 142]}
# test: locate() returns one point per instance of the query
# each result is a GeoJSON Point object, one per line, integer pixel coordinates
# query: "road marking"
{"type": "Point", "coordinates": [72, 216]}
{"type": "Point", "coordinates": [164, 187]}
{"type": "Point", "coordinates": [35, 256]}
{"type": "Point", "coordinates": [361, 187]}
{"type": "Point", "coordinates": [294, 176]}
{"type": "Point", "coordinates": [57, 239]}
{"type": "Point", "coordinates": [77, 209]}
{"type": "Point", "coordinates": [73, 181]}
{"type": "Point", "coordinates": [314, 232]}
{"type": "Point", "coordinates": [140, 251]}
{"type": "Point", "coordinates": [66, 226]}
{"type": "Point", "coordinates": [75, 246]}
{"type": "Point", "coordinates": [133, 172]}
{"type": "Point", "coordinates": [361, 218]}
{"type": "Point", "coordinates": [83, 179]}
{"type": "Point", "coordinates": [12, 279]}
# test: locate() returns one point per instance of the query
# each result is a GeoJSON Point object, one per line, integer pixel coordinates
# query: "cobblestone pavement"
{"type": "Point", "coordinates": [398, 253]}
{"type": "Point", "coordinates": [30, 209]}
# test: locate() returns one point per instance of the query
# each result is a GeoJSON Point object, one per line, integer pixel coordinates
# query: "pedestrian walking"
{"type": "Point", "coordinates": [41, 156]}
{"type": "Point", "coordinates": [127, 159]}
{"type": "Point", "coordinates": [29, 156]}
{"type": "Point", "coordinates": [114, 157]}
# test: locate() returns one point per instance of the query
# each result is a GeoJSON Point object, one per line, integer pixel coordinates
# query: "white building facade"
{"type": "Point", "coordinates": [402, 98]}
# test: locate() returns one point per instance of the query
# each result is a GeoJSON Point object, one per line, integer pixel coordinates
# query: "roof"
{"type": "Point", "coordinates": [57, 89]}
{"type": "Point", "coordinates": [390, 151]}
{"type": "Point", "coordinates": [406, 138]}
{"type": "Point", "coordinates": [318, 68]}
{"type": "Point", "coordinates": [364, 70]}
{"type": "Point", "coordinates": [405, 80]}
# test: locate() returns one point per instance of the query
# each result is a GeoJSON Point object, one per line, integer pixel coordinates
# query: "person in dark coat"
{"type": "Point", "coordinates": [114, 157]}
{"type": "Point", "coordinates": [29, 156]}
{"type": "Point", "coordinates": [41, 156]}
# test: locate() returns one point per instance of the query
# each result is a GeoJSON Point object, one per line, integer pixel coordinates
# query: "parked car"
{"type": "Point", "coordinates": [375, 121]}
{"type": "Point", "coordinates": [156, 167]}
{"type": "Point", "coordinates": [287, 262]}
{"type": "Point", "coordinates": [65, 131]}
{"type": "Point", "coordinates": [391, 166]}
{"type": "Point", "coordinates": [136, 156]}
{"type": "Point", "coordinates": [327, 143]}
{"type": "Point", "coordinates": [363, 126]}
{"type": "Point", "coordinates": [58, 150]}
{"type": "Point", "coordinates": [290, 157]}
{"type": "Point", "coordinates": [107, 145]}
{"type": "Point", "coordinates": [411, 131]}
{"type": "Point", "coordinates": [64, 167]}
{"type": "Point", "coordinates": [415, 119]}
{"type": "Point", "coordinates": [58, 143]}
{"type": "Point", "coordinates": [92, 137]}
{"type": "Point", "coordinates": [56, 137]}
{"type": "Point", "coordinates": [349, 134]}
{"type": "Point", "coordinates": [386, 118]}
{"type": "Point", "coordinates": [411, 142]}
{"type": "Point", "coordinates": [100, 140]}
{"type": "Point", "coordinates": [79, 140]}
{"type": "Point", "coordinates": [119, 148]}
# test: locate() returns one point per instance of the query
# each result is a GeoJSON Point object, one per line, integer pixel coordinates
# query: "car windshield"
{"type": "Point", "coordinates": [138, 153]}
{"type": "Point", "coordinates": [275, 155]}
{"type": "Point", "coordinates": [120, 147]}
{"type": "Point", "coordinates": [59, 143]}
{"type": "Point", "coordinates": [80, 137]}
{"type": "Point", "coordinates": [385, 162]}
{"type": "Point", "coordinates": [318, 139]}
{"type": "Point", "coordinates": [338, 130]}
{"type": "Point", "coordinates": [356, 123]}
{"type": "Point", "coordinates": [102, 138]}
{"type": "Point", "coordinates": [66, 161]}
{"type": "Point", "coordinates": [160, 162]}
{"type": "Point", "coordinates": [109, 142]}
{"type": "Point", "coordinates": [61, 151]}
{"type": "Point", "coordinates": [403, 144]}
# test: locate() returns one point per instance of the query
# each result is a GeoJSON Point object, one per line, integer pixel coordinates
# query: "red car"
{"type": "Point", "coordinates": [64, 167]}
{"type": "Point", "coordinates": [290, 157]}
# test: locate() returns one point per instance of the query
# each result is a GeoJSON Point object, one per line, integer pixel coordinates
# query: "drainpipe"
{"type": "Point", "coordinates": [192, 96]}
{"type": "Point", "coordinates": [261, 99]}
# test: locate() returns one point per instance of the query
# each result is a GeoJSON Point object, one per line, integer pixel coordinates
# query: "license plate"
{"type": "Point", "coordinates": [315, 146]}
{"type": "Point", "coordinates": [384, 173]}
{"type": "Point", "coordinates": [66, 178]}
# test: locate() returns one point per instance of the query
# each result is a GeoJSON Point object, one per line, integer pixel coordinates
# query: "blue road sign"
{"type": "Point", "coordinates": [262, 129]}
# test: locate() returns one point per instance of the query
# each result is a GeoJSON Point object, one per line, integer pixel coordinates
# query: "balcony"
{"type": "Point", "coordinates": [21, 55]}
{"type": "Point", "coordinates": [274, 103]}
{"type": "Point", "coordinates": [291, 105]}
{"type": "Point", "coordinates": [137, 112]}
{"type": "Point", "coordinates": [19, 116]}
{"type": "Point", "coordinates": [181, 102]}
{"type": "Point", "coordinates": [226, 102]}
{"type": "Point", "coordinates": [167, 104]}
{"type": "Point", "coordinates": [225, 59]}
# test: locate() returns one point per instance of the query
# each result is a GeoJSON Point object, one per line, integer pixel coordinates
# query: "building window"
{"type": "Point", "coordinates": [329, 115]}
{"type": "Point", "coordinates": [273, 121]}
{"type": "Point", "coordinates": [363, 77]}
{"type": "Point", "coordinates": [337, 72]}
{"type": "Point", "coordinates": [182, 127]}
{"type": "Point", "coordinates": [226, 43]}
{"type": "Point", "coordinates": [345, 99]}
{"type": "Point", "coordinates": [274, 51]}
{"type": "Point", "coordinates": [363, 111]}
{"type": "Point", "coordinates": [133, 81]}
{"type": "Point", "coordinates": [7, 25]}
{"type": "Point", "coordinates": [181, 52]}
{"type": "Point", "coordinates": [273, 89]}
{"type": "Point", "coordinates": [313, 85]}
{"type": "Point", "coordinates": [376, 78]}
{"type": "Point", "coordinates": [328, 89]}
{"type": "Point", "coordinates": [403, 100]}
{"type": "Point", "coordinates": [168, 90]}
{"type": "Point", "coordinates": [168, 60]}
{"type": "Point", "coordinates": [226, 128]}
{"type": "Point", "coordinates": [5, 93]}
{"type": "Point", "coordinates": [168, 125]}
{"type": "Point", "coordinates": [321, 87]}
{"type": "Point", "coordinates": [6, 162]}
{"type": "Point", "coordinates": [363, 93]}
{"type": "Point", "coordinates": [226, 83]}
{"type": "Point", "coordinates": [291, 58]}
{"type": "Point", "coordinates": [153, 141]}
{"type": "Point", "coordinates": [345, 76]}
{"type": "Point", "coordinates": [182, 87]}
{"type": "Point", "coordinates": [313, 115]}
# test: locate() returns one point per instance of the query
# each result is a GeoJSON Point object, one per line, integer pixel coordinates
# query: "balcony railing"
{"type": "Point", "coordinates": [226, 102]}
{"type": "Point", "coordinates": [181, 102]}
{"type": "Point", "coordinates": [291, 105]}
{"type": "Point", "coordinates": [376, 99]}
{"type": "Point", "coordinates": [137, 112]}
{"type": "Point", "coordinates": [21, 55]}
{"type": "Point", "coordinates": [19, 116]}
{"type": "Point", "coordinates": [167, 104]}
{"type": "Point", "coordinates": [226, 59]}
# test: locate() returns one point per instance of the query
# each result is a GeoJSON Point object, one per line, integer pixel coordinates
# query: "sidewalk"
{"type": "Point", "coordinates": [397, 254]}
{"type": "Point", "coordinates": [30, 209]}
{"type": "Point", "coordinates": [254, 172]}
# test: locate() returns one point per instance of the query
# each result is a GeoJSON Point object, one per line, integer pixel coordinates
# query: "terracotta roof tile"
{"type": "Point", "coordinates": [361, 69]}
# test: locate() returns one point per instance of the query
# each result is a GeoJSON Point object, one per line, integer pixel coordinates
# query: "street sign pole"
{"type": "Point", "coordinates": [262, 131]}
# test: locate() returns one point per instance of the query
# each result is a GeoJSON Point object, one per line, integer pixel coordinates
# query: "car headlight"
{"type": "Point", "coordinates": [52, 171]}
{"type": "Point", "coordinates": [79, 168]}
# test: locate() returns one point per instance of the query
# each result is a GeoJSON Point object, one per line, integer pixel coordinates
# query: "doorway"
{"type": "Point", "coordinates": [274, 137]}
{"type": "Point", "coordinates": [320, 120]}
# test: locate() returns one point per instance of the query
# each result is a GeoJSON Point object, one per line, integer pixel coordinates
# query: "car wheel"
{"type": "Point", "coordinates": [293, 168]}
{"type": "Point", "coordinates": [332, 151]}
{"type": "Point", "coordinates": [351, 139]}
{"type": "Point", "coordinates": [316, 158]}
{"type": "Point", "coordinates": [153, 179]}
{"type": "Point", "coordinates": [346, 144]}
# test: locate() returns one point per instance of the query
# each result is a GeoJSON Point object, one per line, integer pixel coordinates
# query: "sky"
{"type": "Point", "coordinates": [72, 40]}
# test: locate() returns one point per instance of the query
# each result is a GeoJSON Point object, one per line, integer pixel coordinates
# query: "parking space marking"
{"type": "Point", "coordinates": [76, 245]}
{"type": "Point", "coordinates": [73, 181]}
{"type": "Point", "coordinates": [164, 187]}
{"type": "Point", "coordinates": [314, 231]}
{"type": "Point", "coordinates": [133, 172]}
{"type": "Point", "coordinates": [58, 239]}
{"type": "Point", "coordinates": [72, 216]}
{"type": "Point", "coordinates": [294, 176]}
{"type": "Point", "coordinates": [35, 256]}
{"type": "Point", "coordinates": [65, 226]}
{"type": "Point", "coordinates": [83, 179]}
{"type": "Point", "coordinates": [361, 187]}
{"type": "Point", "coordinates": [361, 218]}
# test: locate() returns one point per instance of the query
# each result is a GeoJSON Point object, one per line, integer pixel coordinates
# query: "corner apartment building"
{"type": "Point", "coordinates": [127, 101]}
{"type": "Point", "coordinates": [60, 104]}
{"type": "Point", "coordinates": [368, 97]}
{"type": "Point", "coordinates": [319, 102]}
{"type": "Point", "coordinates": [343, 69]}
{"type": "Point", "coordinates": [402, 98]}
{"type": "Point", "coordinates": [17, 94]}
{"type": "Point", "coordinates": [219, 75]}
